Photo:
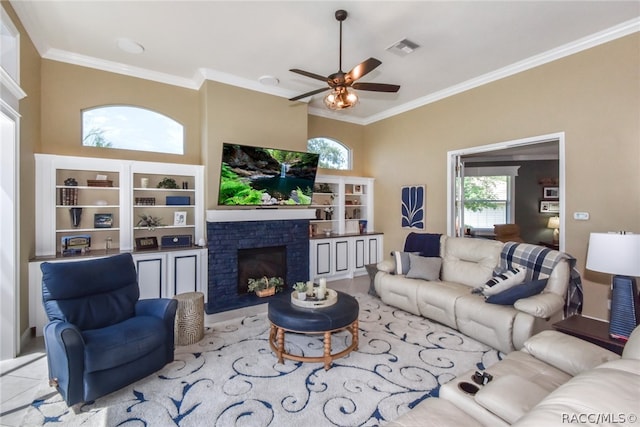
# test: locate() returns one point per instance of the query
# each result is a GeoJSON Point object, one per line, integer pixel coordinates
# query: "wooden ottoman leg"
{"type": "Point", "coordinates": [355, 334]}
{"type": "Point", "coordinates": [280, 338]}
{"type": "Point", "coordinates": [327, 350]}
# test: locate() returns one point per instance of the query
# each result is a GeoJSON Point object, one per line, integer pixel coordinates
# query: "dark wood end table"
{"type": "Point", "coordinates": [591, 330]}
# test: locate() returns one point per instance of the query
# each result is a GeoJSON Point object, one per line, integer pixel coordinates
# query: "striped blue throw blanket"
{"type": "Point", "coordinates": [540, 260]}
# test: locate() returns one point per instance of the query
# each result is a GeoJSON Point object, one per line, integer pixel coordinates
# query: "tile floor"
{"type": "Point", "coordinates": [22, 377]}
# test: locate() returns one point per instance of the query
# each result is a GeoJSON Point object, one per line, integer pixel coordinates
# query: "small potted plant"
{"type": "Point", "coordinates": [265, 286]}
{"type": "Point", "coordinates": [301, 288]}
{"type": "Point", "coordinates": [149, 221]}
{"type": "Point", "coordinates": [168, 183]}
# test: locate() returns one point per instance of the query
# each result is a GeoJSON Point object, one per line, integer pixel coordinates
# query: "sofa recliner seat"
{"type": "Point", "coordinates": [554, 380]}
{"type": "Point", "coordinates": [468, 263]}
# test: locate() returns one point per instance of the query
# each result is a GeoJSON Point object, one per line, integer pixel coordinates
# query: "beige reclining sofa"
{"type": "Point", "coordinates": [467, 264]}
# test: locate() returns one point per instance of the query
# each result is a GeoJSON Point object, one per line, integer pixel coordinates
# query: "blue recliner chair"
{"type": "Point", "coordinates": [101, 337]}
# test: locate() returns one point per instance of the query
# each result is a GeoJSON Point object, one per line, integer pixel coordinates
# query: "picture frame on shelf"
{"type": "Point", "coordinates": [357, 189]}
{"type": "Point", "coordinates": [550, 193]}
{"type": "Point", "coordinates": [180, 218]}
{"type": "Point", "coordinates": [103, 220]}
{"type": "Point", "coordinates": [549, 206]}
{"type": "Point", "coordinates": [146, 243]}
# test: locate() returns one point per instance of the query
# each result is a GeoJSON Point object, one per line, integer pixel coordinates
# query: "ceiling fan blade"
{"type": "Point", "coordinates": [308, 74]}
{"type": "Point", "coordinates": [376, 87]}
{"type": "Point", "coordinates": [363, 68]}
{"type": "Point", "coordinates": [305, 95]}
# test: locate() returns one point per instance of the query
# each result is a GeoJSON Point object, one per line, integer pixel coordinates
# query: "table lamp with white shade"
{"type": "Point", "coordinates": [554, 223]}
{"type": "Point", "coordinates": [618, 254]}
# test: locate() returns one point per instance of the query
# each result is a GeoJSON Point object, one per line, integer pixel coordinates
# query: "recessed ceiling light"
{"type": "Point", "coordinates": [269, 80]}
{"type": "Point", "coordinates": [130, 46]}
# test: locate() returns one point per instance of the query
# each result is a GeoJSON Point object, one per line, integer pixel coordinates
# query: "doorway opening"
{"type": "Point", "coordinates": [540, 166]}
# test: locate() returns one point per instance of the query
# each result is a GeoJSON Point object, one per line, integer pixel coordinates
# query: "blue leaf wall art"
{"type": "Point", "coordinates": [413, 207]}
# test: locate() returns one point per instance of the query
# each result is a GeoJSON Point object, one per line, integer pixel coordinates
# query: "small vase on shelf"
{"type": "Point", "coordinates": [76, 216]}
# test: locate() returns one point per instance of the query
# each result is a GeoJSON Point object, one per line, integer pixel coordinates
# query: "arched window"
{"type": "Point", "coordinates": [131, 128]}
{"type": "Point", "coordinates": [333, 154]}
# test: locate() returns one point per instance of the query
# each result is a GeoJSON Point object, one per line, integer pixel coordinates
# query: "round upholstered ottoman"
{"type": "Point", "coordinates": [286, 317]}
{"type": "Point", "coordinates": [189, 325]}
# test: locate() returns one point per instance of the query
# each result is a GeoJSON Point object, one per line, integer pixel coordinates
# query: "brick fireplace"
{"type": "Point", "coordinates": [230, 231]}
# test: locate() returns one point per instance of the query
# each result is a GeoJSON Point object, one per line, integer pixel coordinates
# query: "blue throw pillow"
{"type": "Point", "coordinates": [524, 290]}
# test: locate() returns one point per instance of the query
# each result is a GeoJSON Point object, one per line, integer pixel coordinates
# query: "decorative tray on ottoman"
{"type": "Point", "coordinates": [313, 302]}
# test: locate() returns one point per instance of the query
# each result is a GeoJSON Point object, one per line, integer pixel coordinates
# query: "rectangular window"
{"type": "Point", "coordinates": [488, 196]}
{"type": "Point", "coordinates": [487, 201]}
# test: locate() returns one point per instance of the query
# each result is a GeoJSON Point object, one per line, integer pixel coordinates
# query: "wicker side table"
{"type": "Point", "coordinates": [189, 325]}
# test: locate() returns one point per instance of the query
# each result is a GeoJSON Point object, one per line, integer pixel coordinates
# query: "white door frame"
{"type": "Point", "coordinates": [451, 172]}
{"type": "Point", "coordinates": [9, 228]}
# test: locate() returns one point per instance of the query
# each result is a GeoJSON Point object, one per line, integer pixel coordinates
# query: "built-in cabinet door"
{"type": "Point", "coordinates": [367, 251]}
{"type": "Point", "coordinates": [322, 259]}
{"type": "Point", "coordinates": [360, 253]}
{"type": "Point", "coordinates": [184, 273]}
{"type": "Point", "coordinates": [165, 274]}
{"type": "Point", "coordinates": [375, 249]}
{"type": "Point", "coordinates": [151, 270]}
{"type": "Point", "coordinates": [342, 256]}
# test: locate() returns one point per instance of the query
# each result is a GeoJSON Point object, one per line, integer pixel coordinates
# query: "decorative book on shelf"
{"type": "Point", "coordinates": [68, 196]}
{"type": "Point", "coordinates": [99, 183]}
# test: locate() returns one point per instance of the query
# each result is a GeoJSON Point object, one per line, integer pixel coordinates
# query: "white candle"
{"type": "Point", "coordinates": [323, 283]}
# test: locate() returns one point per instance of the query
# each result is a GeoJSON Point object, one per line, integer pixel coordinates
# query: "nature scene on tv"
{"type": "Point", "coordinates": [253, 176]}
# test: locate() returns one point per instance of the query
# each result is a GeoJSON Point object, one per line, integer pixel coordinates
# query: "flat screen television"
{"type": "Point", "coordinates": [257, 176]}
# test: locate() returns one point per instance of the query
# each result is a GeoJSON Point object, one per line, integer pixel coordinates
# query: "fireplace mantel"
{"type": "Point", "coordinates": [260, 214]}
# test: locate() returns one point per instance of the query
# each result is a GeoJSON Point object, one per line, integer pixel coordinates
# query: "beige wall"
{"type": "Point", "coordinates": [68, 89]}
{"type": "Point", "coordinates": [593, 96]}
{"type": "Point", "coordinates": [29, 139]}
{"type": "Point", "coordinates": [241, 116]}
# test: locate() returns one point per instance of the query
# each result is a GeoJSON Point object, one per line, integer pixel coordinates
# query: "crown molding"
{"type": "Point", "coordinates": [330, 114]}
{"type": "Point", "coordinates": [7, 83]}
{"type": "Point", "coordinates": [118, 68]}
{"type": "Point", "coordinates": [610, 34]}
{"type": "Point", "coordinates": [232, 80]}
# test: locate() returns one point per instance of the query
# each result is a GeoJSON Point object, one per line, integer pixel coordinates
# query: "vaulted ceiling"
{"type": "Point", "coordinates": [462, 44]}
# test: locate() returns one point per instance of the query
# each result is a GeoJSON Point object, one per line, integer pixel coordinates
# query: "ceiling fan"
{"type": "Point", "coordinates": [340, 82]}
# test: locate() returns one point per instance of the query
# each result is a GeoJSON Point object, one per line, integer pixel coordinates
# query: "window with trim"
{"type": "Point", "coordinates": [333, 154]}
{"type": "Point", "coordinates": [131, 128]}
{"type": "Point", "coordinates": [489, 196]}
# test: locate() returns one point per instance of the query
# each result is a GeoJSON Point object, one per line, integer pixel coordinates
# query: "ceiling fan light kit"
{"type": "Point", "coordinates": [341, 96]}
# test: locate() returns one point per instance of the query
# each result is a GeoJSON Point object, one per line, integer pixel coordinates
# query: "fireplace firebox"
{"type": "Point", "coordinates": [254, 263]}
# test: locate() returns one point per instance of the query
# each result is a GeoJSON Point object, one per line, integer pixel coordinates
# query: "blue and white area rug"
{"type": "Point", "coordinates": [232, 378]}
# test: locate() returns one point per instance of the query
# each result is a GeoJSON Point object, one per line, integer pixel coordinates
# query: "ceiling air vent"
{"type": "Point", "coordinates": [403, 47]}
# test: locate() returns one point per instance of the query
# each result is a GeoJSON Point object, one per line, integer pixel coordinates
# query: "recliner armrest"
{"type": "Point", "coordinates": [157, 307]}
{"type": "Point", "coordinates": [388, 266]}
{"type": "Point", "coordinates": [542, 305]}
{"type": "Point", "coordinates": [65, 357]}
{"type": "Point", "coordinates": [567, 353]}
